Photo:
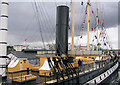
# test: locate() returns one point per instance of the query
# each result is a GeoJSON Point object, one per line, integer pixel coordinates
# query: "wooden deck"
{"type": "Point", "coordinates": [24, 78]}
{"type": "Point", "coordinates": [84, 53]}
{"type": "Point", "coordinates": [66, 77]}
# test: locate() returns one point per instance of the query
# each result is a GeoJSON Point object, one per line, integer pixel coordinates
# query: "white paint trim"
{"type": "Point", "coordinates": [102, 75]}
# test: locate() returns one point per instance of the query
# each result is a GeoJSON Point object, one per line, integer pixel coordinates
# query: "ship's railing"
{"type": "Point", "coordinates": [13, 76]}
{"type": "Point", "coordinates": [47, 77]}
{"type": "Point", "coordinates": [84, 53]}
{"type": "Point", "coordinates": [88, 67]}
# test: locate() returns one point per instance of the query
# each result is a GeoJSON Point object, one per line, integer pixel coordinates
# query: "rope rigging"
{"type": "Point", "coordinates": [83, 23]}
{"type": "Point", "coordinates": [100, 24]}
{"type": "Point", "coordinates": [59, 61]}
{"type": "Point", "coordinates": [68, 65]}
{"type": "Point", "coordinates": [40, 29]}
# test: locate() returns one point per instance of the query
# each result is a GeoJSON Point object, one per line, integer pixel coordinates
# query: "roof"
{"type": "Point", "coordinates": [13, 63]}
{"type": "Point", "coordinates": [21, 54]}
{"type": "Point", "coordinates": [27, 53]}
{"type": "Point", "coordinates": [20, 46]}
{"type": "Point", "coordinates": [34, 50]}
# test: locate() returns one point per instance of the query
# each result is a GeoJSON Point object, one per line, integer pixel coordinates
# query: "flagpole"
{"type": "Point", "coordinates": [103, 25]}
{"type": "Point", "coordinates": [97, 21]}
{"type": "Point", "coordinates": [73, 4]}
{"type": "Point", "coordinates": [88, 12]}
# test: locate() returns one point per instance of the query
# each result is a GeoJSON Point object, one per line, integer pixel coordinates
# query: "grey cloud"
{"type": "Point", "coordinates": [23, 24]}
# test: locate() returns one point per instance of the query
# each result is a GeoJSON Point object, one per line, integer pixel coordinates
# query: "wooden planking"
{"type": "Point", "coordinates": [45, 56]}
{"type": "Point", "coordinates": [66, 77]}
{"type": "Point", "coordinates": [24, 78]}
{"type": "Point", "coordinates": [25, 65]}
{"type": "Point", "coordinates": [84, 53]}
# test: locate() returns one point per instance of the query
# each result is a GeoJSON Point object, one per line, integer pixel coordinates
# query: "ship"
{"type": "Point", "coordinates": [60, 66]}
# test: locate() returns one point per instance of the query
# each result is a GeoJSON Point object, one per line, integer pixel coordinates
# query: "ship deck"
{"type": "Point", "coordinates": [24, 78]}
{"type": "Point", "coordinates": [51, 79]}
{"type": "Point", "coordinates": [48, 77]}
{"type": "Point", "coordinates": [74, 75]}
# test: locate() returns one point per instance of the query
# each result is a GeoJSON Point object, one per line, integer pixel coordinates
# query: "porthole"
{"type": "Point", "coordinates": [104, 75]}
{"type": "Point", "coordinates": [100, 78]}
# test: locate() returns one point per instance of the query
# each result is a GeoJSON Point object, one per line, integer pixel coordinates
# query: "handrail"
{"type": "Point", "coordinates": [88, 67]}
{"type": "Point", "coordinates": [83, 53]}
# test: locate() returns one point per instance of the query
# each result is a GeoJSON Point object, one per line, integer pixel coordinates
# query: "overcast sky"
{"type": "Point", "coordinates": [23, 23]}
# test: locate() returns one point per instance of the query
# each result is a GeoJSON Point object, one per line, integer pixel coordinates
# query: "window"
{"type": "Point", "coordinates": [24, 61]}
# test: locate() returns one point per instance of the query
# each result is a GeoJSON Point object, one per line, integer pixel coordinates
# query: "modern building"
{"type": "Point", "coordinates": [20, 47]}
{"type": "Point", "coordinates": [50, 46]}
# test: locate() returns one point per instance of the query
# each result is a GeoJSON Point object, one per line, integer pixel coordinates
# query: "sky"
{"type": "Point", "coordinates": [25, 23]}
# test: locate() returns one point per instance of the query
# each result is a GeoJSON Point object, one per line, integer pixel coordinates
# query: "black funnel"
{"type": "Point", "coordinates": [62, 25]}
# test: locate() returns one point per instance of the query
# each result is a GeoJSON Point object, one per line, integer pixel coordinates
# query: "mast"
{"type": "Point", "coordinates": [73, 6]}
{"type": "Point", "coordinates": [103, 24]}
{"type": "Point", "coordinates": [97, 21]}
{"type": "Point", "coordinates": [88, 13]}
{"type": "Point", "coordinates": [3, 37]}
